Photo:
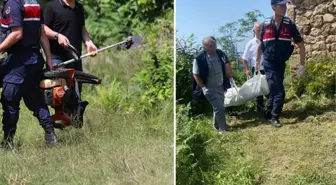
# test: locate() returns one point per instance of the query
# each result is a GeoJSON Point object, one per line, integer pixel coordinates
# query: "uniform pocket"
{"type": "Point", "coordinates": [15, 75]}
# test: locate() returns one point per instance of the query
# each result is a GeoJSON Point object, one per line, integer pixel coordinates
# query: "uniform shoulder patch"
{"type": "Point", "coordinates": [267, 21]}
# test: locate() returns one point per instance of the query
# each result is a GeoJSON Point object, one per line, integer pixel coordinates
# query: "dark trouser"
{"type": "Point", "coordinates": [75, 65]}
{"type": "Point", "coordinates": [260, 99]}
{"type": "Point", "coordinates": [275, 75]}
{"type": "Point", "coordinates": [22, 81]}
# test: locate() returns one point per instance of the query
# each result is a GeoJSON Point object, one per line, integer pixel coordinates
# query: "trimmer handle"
{"type": "Point", "coordinates": [73, 52]}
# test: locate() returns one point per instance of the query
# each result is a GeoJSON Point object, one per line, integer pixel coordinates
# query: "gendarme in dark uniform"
{"type": "Point", "coordinates": [23, 67]}
{"type": "Point", "coordinates": [276, 49]}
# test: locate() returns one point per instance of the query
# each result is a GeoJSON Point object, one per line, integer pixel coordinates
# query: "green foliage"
{"type": "Point", "coordinates": [247, 23]}
{"type": "Point", "coordinates": [156, 79]}
{"type": "Point", "coordinates": [319, 77]}
{"type": "Point", "coordinates": [201, 160]}
{"type": "Point", "coordinates": [186, 50]}
{"type": "Point", "coordinates": [193, 159]}
{"type": "Point", "coordinates": [234, 32]}
{"type": "Point", "coordinates": [240, 171]}
{"type": "Point", "coordinates": [112, 20]}
{"type": "Point", "coordinates": [229, 40]}
{"type": "Point", "coordinates": [238, 75]}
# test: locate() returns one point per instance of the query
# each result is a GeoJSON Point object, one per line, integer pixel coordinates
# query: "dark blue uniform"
{"type": "Point", "coordinates": [24, 65]}
{"type": "Point", "coordinates": [277, 48]}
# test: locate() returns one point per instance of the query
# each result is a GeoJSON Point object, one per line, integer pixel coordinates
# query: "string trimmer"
{"type": "Point", "coordinates": [60, 86]}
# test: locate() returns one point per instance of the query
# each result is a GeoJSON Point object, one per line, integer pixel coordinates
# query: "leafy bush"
{"type": "Point", "coordinates": [112, 20]}
{"type": "Point", "coordinates": [238, 74]}
{"type": "Point", "coordinates": [319, 77]}
{"type": "Point", "coordinates": [194, 161]}
{"type": "Point", "coordinates": [156, 79]}
{"type": "Point", "coordinates": [186, 51]}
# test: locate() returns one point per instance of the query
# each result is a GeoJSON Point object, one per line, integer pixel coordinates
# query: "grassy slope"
{"type": "Point", "coordinates": [114, 147]}
{"type": "Point", "coordinates": [301, 152]}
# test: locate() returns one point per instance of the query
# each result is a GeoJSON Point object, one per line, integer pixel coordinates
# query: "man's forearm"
{"type": "Point", "coordinates": [45, 45]}
{"type": "Point", "coordinates": [10, 40]}
{"type": "Point", "coordinates": [199, 80]}
{"type": "Point", "coordinates": [302, 53]}
{"type": "Point", "coordinates": [228, 70]}
{"type": "Point", "coordinates": [245, 65]}
{"type": "Point", "coordinates": [86, 35]}
{"type": "Point", "coordinates": [258, 55]}
{"type": "Point", "coordinates": [49, 32]}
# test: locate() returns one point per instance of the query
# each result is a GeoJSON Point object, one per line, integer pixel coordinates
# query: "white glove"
{"type": "Point", "coordinates": [233, 84]}
{"type": "Point", "coordinates": [300, 71]}
{"type": "Point", "coordinates": [205, 90]}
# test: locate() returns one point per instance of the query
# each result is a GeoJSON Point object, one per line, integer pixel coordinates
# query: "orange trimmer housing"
{"type": "Point", "coordinates": [59, 90]}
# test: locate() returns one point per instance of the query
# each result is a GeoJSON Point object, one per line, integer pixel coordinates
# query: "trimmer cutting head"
{"type": "Point", "coordinates": [132, 42]}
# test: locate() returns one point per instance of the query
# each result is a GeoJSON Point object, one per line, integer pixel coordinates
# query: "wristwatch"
{"type": "Point", "coordinates": [56, 36]}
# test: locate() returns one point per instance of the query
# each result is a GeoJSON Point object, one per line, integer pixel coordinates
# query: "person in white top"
{"type": "Point", "coordinates": [250, 57]}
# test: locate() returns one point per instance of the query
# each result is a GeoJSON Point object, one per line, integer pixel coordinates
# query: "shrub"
{"type": "Point", "coordinates": [318, 79]}
{"type": "Point", "coordinates": [156, 79]}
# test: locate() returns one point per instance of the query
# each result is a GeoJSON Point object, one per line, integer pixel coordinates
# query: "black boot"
{"type": "Point", "coordinates": [215, 126]}
{"type": "Point", "coordinates": [50, 139]}
{"type": "Point", "coordinates": [8, 141]}
{"type": "Point", "coordinates": [267, 115]}
{"type": "Point", "coordinates": [50, 136]}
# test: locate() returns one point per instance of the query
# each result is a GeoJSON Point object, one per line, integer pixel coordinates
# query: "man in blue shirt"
{"type": "Point", "coordinates": [21, 23]}
{"type": "Point", "coordinates": [275, 46]}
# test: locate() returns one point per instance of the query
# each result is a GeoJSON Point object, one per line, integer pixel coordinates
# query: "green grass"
{"type": "Point", "coordinates": [114, 146]}
{"type": "Point", "coordinates": [303, 151]}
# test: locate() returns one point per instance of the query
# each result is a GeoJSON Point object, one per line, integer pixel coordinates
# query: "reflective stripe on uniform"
{"type": "Point", "coordinates": [268, 39]}
{"type": "Point", "coordinates": [31, 19]}
{"type": "Point", "coordinates": [285, 39]}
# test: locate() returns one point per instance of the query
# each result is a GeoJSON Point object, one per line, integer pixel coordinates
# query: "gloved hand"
{"type": "Point", "coordinates": [205, 90]}
{"type": "Point", "coordinates": [233, 83]}
{"type": "Point", "coordinates": [300, 71]}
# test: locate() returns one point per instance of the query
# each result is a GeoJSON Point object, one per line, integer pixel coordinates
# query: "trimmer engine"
{"type": "Point", "coordinates": [61, 91]}
{"type": "Point", "coordinates": [61, 86]}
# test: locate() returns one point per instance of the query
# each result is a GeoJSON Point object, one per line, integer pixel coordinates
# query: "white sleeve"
{"type": "Point", "coordinates": [195, 68]}
{"type": "Point", "coordinates": [247, 54]}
